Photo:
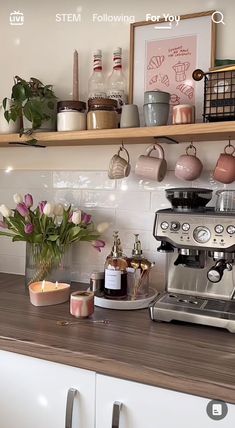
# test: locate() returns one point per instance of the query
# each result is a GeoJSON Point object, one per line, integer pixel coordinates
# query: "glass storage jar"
{"type": "Point", "coordinates": [102, 114]}
{"type": "Point", "coordinates": [71, 116]}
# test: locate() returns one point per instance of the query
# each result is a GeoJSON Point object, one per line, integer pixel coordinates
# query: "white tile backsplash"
{"type": "Point", "coordinates": [24, 179]}
{"type": "Point", "coordinates": [82, 180]}
{"type": "Point", "coordinates": [128, 205]}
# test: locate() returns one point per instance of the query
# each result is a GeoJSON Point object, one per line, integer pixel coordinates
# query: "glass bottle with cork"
{"type": "Point", "coordinates": [138, 272]}
{"type": "Point", "coordinates": [116, 83]}
{"type": "Point", "coordinates": [115, 284]}
{"type": "Point", "coordinates": [96, 83]}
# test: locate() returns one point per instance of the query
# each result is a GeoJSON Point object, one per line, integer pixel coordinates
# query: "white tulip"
{"type": "Point", "coordinates": [48, 210]}
{"type": "Point", "coordinates": [58, 210]}
{"type": "Point", "coordinates": [77, 217]}
{"type": "Point", "coordinates": [5, 211]}
{"type": "Point", "coordinates": [18, 199]}
{"type": "Point", "coordinates": [102, 227]}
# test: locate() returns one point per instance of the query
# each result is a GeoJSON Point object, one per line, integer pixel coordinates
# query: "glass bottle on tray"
{"type": "Point", "coordinates": [115, 284]}
{"type": "Point", "coordinates": [138, 272]}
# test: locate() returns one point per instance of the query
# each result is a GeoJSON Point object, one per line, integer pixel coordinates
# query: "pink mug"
{"type": "Point", "coordinates": [188, 167]}
{"type": "Point", "coordinates": [150, 167]}
{"type": "Point", "coordinates": [225, 167]}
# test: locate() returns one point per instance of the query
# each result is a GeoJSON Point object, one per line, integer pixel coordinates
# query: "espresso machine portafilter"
{"type": "Point", "coordinates": [199, 247]}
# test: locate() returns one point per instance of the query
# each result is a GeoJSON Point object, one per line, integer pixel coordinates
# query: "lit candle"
{"type": "Point", "coordinates": [47, 293]}
{"type": "Point", "coordinates": [75, 77]}
{"type": "Point", "coordinates": [43, 285]}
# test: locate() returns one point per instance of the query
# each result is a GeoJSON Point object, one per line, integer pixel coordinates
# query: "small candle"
{"type": "Point", "coordinates": [82, 304]}
{"type": "Point", "coordinates": [75, 76]}
{"type": "Point", "coordinates": [45, 293]}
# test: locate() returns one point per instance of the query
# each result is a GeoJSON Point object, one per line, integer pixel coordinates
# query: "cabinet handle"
{"type": "Point", "coordinates": [69, 407]}
{"type": "Point", "coordinates": [117, 406]}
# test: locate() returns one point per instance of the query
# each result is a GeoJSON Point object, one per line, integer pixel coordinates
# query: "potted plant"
{"type": "Point", "coordinates": [33, 103]}
{"type": "Point", "coordinates": [49, 231]}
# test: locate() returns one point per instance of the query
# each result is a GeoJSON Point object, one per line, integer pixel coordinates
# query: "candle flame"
{"type": "Point", "coordinates": [43, 285]}
{"type": "Point", "coordinates": [56, 284]}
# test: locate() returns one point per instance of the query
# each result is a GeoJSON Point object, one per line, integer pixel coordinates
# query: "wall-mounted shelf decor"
{"type": "Point", "coordinates": [216, 131]}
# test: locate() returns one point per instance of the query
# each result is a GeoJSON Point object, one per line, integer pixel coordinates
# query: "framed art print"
{"type": "Point", "coordinates": [164, 55]}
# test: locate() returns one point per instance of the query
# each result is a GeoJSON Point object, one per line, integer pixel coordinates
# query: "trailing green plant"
{"type": "Point", "coordinates": [31, 99]}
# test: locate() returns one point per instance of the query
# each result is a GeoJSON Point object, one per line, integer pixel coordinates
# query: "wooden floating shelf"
{"type": "Point", "coordinates": [215, 131]}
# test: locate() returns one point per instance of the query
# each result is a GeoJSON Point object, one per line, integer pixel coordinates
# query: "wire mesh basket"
{"type": "Point", "coordinates": [219, 95]}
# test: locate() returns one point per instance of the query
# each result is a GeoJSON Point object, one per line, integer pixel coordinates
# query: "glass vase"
{"type": "Point", "coordinates": [41, 263]}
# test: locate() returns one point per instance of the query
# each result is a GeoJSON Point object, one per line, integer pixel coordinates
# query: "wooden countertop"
{"type": "Point", "coordinates": [187, 358]}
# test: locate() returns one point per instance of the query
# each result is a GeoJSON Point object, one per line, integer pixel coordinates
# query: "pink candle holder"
{"type": "Point", "coordinates": [46, 293]}
{"type": "Point", "coordinates": [82, 304]}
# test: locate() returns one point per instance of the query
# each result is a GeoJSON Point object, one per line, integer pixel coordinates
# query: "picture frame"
{"type": "Point", "coordinates": [164, 58]}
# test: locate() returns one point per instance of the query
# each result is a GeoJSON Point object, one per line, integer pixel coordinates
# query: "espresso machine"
{"type": "Point", "coordinates": [199, 247]}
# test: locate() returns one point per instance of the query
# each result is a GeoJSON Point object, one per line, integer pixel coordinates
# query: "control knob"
{"type": "Point", "coordinates": [175, 226]}
{"type": "Point", "coordinates": [231, 229]}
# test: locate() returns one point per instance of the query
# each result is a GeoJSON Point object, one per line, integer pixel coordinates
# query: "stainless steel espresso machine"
{"type": "Point", "coordinates": [199, 243]}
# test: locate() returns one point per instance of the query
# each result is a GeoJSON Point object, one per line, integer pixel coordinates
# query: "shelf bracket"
{"type": "Point", "coordinates": [37, 146]}
{"type": "Point", "coordinates": [168, 140]}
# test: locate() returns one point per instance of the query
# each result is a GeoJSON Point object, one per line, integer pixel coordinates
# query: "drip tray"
{"type": "Point", "coordinates": [181, 307]}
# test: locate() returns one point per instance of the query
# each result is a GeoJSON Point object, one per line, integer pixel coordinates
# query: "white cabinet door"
{"type": "Point", "coordinates": [145, 406]}
{"type": "Point", "coordinates": [33, 393]}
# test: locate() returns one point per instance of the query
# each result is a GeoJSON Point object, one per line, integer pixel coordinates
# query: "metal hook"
{"type": "Point", "coordinates": [122, 146]}
{"type": "Point", "coordinates": [229, 142]}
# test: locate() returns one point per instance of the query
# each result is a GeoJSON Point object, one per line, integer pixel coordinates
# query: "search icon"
{"type": "Point", "coordinates": [217, 17]}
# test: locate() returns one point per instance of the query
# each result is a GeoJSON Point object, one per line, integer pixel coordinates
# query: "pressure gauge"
{"type": "Point", "coordinates": [231, 229]}
{"type": "Point", "coordinates": [201, 234]}
{"type": "Point", "coordinates": [219, 228]}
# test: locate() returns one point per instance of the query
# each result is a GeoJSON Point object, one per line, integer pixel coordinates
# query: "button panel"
{"type": "Point", "coordinates": [204, 230]}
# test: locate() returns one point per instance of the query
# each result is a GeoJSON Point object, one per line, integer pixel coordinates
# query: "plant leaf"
{"type": "Point", "coordinates": [4, 103]}
{"type": "Point", "coordinates": [53, 238]}
{"type": "Point", "coordinates": [18, 92]}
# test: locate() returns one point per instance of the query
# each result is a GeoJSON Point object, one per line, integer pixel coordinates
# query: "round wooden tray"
{"type": "Point", "coordinates": [125, 304]}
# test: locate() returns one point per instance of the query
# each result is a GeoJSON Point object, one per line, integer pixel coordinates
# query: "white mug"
{"type": "Point", "coordinates": [152, 168]}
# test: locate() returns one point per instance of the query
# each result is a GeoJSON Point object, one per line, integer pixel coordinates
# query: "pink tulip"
{"type": "Point", "coordinates": [41, 206]}
{"type": "Point", "coordinates": [3, 225]}
{"type": "Point", "coordinates": [86, 218]}
{"type": "Point", "coordinates": [98, 244]}
{"type": "Point", "coordinates": [28, 200]}
{"type": "Point", "coordinates": [22, 209]}
{"type": "Point", "coordinates": [29, 228]}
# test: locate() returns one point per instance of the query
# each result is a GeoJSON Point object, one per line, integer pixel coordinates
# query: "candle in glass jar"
{"type": "Point", "coordinates": [45, 293]}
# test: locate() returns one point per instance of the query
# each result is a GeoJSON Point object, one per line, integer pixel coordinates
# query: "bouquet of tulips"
{"type": "Point", "coordinates": [52, 227]}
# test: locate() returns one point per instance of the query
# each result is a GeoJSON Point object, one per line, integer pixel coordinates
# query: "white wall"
{"type": "Point", "coordinates": [44, 49]}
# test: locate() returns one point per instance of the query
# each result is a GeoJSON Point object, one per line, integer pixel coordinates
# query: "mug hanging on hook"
{"type": "Point", "coordinates": [119, 167]}
{"type": "Point", "coordinates": [189, 167]}
{"type": "Point", "coordinates": [225, 167]}
{"type": "Point", "coordinates": [150, 167]}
